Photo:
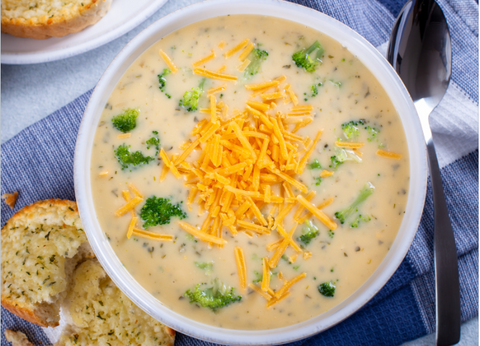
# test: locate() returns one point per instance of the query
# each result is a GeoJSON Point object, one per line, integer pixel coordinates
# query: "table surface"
{"type": "Point", "coordinates": [31, 92]}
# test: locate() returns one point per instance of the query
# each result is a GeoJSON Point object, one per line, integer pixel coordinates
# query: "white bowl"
{"type": "Point", "coordinates": [370, 57]}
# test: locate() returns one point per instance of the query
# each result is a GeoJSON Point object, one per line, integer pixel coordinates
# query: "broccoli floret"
{"type": "Point", "coordinates": [344, 214]}
{"type": "Point", "coordinates": [318, 181]}
{"type": "Point", "coordinates": [309, 58]}
{"type": "Point", "coordinates": [372, 132]}
{"type": "Point", "coordinates": [155, 142]}
{"type": "Point", "coordinates": [190, 98]}
{"type": "Point", "coordinates": [309, 232]}
{"type": "Point", "coordinates": [256, 57]}
{"type": "Point", "coordinates": [207, 266]}
{"type": "Point", "coordinates": [162, 81]}
{"type": "Point", "coordinates": [351, 130]}
{"type": "Point", "coordinates": [342, 155]}
{"type": "Point", "coordinates": [214, 296]}
{"type": "Point", "coordinates": [159, 211]}
{"type": "Point", "coordinates": [126, 121]}
{"type": "Point", "coordinates": [315, 164]}
{"type": "Point", "coordinates": [126, 158]}
{"type": "Point", "coordinates": [327, 289]}
{"type": "Point", "coordinates": [359, 219]}
{"type": "Point", "coordinates": [314, 90]}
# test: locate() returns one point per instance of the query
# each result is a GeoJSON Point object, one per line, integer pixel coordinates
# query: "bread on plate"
{"type": "Point", "coordinates": [41, 19]}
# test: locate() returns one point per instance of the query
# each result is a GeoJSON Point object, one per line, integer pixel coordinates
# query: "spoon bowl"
{"type": "Point", "coordinates": [420, 51]}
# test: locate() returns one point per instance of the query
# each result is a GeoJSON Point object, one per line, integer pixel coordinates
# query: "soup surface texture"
{"type": "Point", "coordinates": [330, 135]}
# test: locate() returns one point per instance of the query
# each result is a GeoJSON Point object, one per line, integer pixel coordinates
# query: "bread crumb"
{"type": "Point", "coordinates": [10, 199]}
{"type": "Point", "coordinates": [17, 338]}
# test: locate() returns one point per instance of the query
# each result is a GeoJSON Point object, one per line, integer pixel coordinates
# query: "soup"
{"type": "Point", "coordinates": [249, 172]}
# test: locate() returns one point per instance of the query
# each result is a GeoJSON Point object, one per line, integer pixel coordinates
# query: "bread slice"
{"type": "Point", "coordinates": [41, 246]}
{"type": "Point", "coordinates": [17, 338]}
{"type": "Point", "coordinates": [41, 19]}
{"type": "Point", "coordinates": [102, 315]}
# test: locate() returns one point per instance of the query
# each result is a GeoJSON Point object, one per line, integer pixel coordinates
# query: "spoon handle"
{"type": "Point", "coordinates": [446, 266]}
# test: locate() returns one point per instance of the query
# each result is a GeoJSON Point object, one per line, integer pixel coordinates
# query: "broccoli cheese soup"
{"type": "Point", "coordinates": [249, 172]}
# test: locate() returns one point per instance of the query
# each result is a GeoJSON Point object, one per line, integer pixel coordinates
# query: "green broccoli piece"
{"type": "Point", "coordinates": [314, 90]}
{"type": "Point", "coordinates": [337, 84]}
{"type": "Point", "coordinates": [372, 132]}
{"type": "Point", "coordinates": [318, 181]}
{"type": "Point", "coordinates": [359, 219]}
{"type": "Point", "coordinates": [126, 158]}
{"type": "Point", "coordinates": [190, 98]}
{"type": "Point", "coordinates": [331, 233]}
{"type": "Point", "coordinates": [309, 232]}
{"type": "Point", "coordinates": [162, 81]}
{"type": "Point", "coordinates": [342, 155]}
{"type": "Point", "coordinates": [126, 121]}
{"type": "Point", "coordinates": [155, 142]}
{"type": "Point", "coordinates": [344, 214]}
{"type": "Point", "coordinates": [159, 211]}
{"type": "Point", "coordinates": [214, 296]}
{"type": "Point", "coordinates": [315, 165]}
{"type": "Point", "coordinates": [351, 130]}
{"type": "Point", "coordinates": [309, 58]}
{"type": "Point", "coordinates": [207, 266]}
{"type": "Point", "coordinates": [335, 162]}
{"type": "Point", "coordinates": [327, 289]}
{"type": "Point", "coordinates": [259, 277]}
{"type": "Point", "coordinates": [256, 57]}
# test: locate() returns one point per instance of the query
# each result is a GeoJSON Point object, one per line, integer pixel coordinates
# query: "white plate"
{"type": "Point", "coordinates": [124, 15]}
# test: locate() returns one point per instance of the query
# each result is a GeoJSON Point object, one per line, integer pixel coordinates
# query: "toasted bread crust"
{"type": "Point", "coordinates": [26, 313]}
{"type": "Point", "coordinates": [64, 23]}
{"type": "Point", "coordinates": [170, 332]}
{"type": "Point", "coordinates": [65, 207]}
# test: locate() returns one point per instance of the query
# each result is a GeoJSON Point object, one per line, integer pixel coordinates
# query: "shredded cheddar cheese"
{"type": "Point", "coordinates": [289, 283]}
{"type": "Point", "coordinates": [205, 59]}
{"type": "Point", "coordinates": [274, 301]}
{"type": "Point", "coordinates": [243, 55]}
{"type": "Point", "coordinates": [389, 154]}
{"type": "Point", "coordinates": [325, 173]}
{"type": "Point", "coordinates": [214, 75]}
{"type": "Point", "coordinates": [257, 289]}
{"type": "Point", "coordinates": [129, 206]}
{"type": "Point", "coordinates": [131, 226]}
{"type": "Point", "coordinates": [241, 266]}
{"type": "Point", "coordinates": [318, 213]}
{"type": "Point", "coordinates": [152, 235]}
{"type": "Point", "coordinates": [237, 48]}
{"type": "Point", "coordinates": [202, 236]}
{"type": "Point", "coordinates": [349, 145]}
{"type": "Point", "coordinates": [168, 61]}
{"type": "Point", "coordinates": [214, 91]}
{"type": "Point", "coordinates": [266, 276]}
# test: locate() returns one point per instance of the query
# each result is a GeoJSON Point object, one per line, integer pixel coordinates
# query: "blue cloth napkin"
{"type": "Point", "coordinates": [38, 163]}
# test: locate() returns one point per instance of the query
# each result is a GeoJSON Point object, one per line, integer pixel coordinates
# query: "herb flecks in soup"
{"type": "Point", "coordinates": [249, 172]}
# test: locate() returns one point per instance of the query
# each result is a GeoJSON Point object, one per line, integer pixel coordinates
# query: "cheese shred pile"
{"type": "Point", "coordinates": [245, 161]}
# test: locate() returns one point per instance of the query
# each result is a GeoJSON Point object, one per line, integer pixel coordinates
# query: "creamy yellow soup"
{"type": "Point", "coordinates": [340, 90]}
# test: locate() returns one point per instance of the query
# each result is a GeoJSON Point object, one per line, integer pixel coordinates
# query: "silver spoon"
{"type": "Point", "coordinates": [420, 51]}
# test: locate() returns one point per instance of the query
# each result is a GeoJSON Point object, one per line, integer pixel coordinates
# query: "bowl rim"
{"type": "Point", "coordinates": [373, 60]}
